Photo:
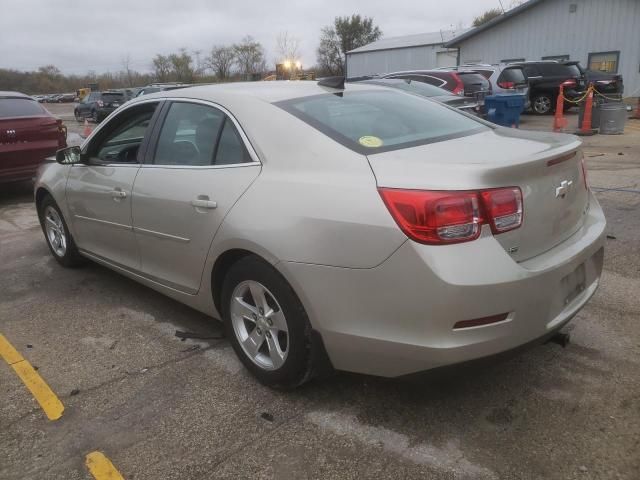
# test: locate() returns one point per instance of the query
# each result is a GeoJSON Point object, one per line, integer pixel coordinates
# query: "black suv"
{"type": "Point", "coordinates": [98, 105]}
{"type": "Point", "coordinates": [603, 82]}
{"type": "Point", "coordinates": [545, 78]}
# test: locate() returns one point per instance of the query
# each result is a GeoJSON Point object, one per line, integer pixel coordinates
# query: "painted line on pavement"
{"type": "Point", "coordinates": [101, 467]}
{"type": "Point", "coordinates": [48, 400]}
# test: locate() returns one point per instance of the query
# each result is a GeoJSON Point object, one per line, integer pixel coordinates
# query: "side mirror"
{"type": "Point", "coordinates": [69, 156]}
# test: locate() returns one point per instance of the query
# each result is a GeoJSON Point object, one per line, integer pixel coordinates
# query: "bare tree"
{"type": "Point", "coordinates": [161, 68]}
{"type": "Point", "coordinates": [126, 65]}
{"type": "Point", "coordinates": [287, 47]}
{"type": "Point", "coordinates": [181, 64]}
{"type": "Point", "coordinates": [221, 61]}
{"type": "Point", "coordinates": [249, 56]}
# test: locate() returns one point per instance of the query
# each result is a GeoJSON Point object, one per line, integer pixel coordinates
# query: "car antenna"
{"type": "Point", "coordinates": [332, 82]}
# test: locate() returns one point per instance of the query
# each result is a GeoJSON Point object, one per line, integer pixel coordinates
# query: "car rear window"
{"type": "Point", "coordinates": [573, 68]}
{"type": "Point", "coordinates": [515, 75]}
{"type": "Point", "coordinates": [413, 86]}
{"type": "Point", "coordinates": [377, 121]}
{"type": "Point", "coordinates": [469, 79]}
{"type": "Point", "coordinates": [20, 107]}
{"type": "Point", "coordinates": [112, 97]}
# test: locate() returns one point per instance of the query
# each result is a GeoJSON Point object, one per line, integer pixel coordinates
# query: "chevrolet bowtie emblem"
{"type": "Point", "coordinates": [564, 187]}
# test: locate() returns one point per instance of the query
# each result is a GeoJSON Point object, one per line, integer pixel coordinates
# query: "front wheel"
{"type": "Point", "coordinates": [57, 234]}
{"type": "Point", "coordinates": [267, 325]}
{"type": "Point", "coordinates": [542, 104]}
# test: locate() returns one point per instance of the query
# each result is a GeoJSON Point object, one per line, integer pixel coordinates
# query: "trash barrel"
{"type": "Point", "coordinates": [504, 109]}
{"type": "Point", "coordinates": [612, 118]}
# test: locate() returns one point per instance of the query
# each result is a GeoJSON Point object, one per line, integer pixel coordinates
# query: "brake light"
{"type": "Point", "coordinates": [100, 103]}
{"type": "Point", "coordinates": [459, 88]}
{"type": "Point", "coordinates": [507, 85]}
{"type": "Point", "coordinates": [447, 217]}
{"type": "Point", "coordinates": [569, 83]}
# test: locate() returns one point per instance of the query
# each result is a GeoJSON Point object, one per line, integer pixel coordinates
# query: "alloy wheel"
{"type": "Point", "coordinates": [55, 231]}
{"type": "Point", "coordinates": [259, 325]}
{"type": "Point", "coordinates": [542, 105]}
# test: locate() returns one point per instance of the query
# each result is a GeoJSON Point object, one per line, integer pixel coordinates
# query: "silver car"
{"type": "Point", "coordinates": [363, 228]}
{"type": "Point", "coordinates": [504, 79]}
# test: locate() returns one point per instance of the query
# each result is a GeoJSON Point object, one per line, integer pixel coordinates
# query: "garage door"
{"type": "Point", "coordinates": [447, 59]}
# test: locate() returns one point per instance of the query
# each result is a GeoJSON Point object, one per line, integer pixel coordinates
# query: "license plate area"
{"type": "Point", "coordinates": [574, 284]}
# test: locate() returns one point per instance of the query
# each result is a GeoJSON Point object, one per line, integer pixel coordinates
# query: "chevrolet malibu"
{"type": "Point", "coordinates": [364, 228]}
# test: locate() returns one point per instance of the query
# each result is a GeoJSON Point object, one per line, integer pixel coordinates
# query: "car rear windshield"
{"type": "Point", "coordinates": [112, 97]}
{"type": "Point", "coordinates": [515, 75]}
{"type": "Point", "coordinates": [573, 68]}
{"type": "Point", "coordinates": [20, 107]}
{"type": "Point", "coordinates": [377, 121]}
{"type": "Point", "coordinates": [419, 88]}
{"type": "Point", "coordinates": [473, 79]}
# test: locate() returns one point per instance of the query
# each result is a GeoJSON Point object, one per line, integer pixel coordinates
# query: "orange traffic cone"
{"type": "Point", "coordinates": [559, 122]}
{"type": "Point", "coordinates": [636, 116]}
{"type": "Point", "coordinates": [87, 129]}
{"type": "Point", "coordinates": [585, 128]}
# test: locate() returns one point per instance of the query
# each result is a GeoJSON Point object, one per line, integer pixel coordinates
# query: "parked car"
{"type": "Point", "coordinates": [438, 94]}
{"type": "Point", "coordinates": [362, 228]}
{"type": "Point", "coordinates": [161, 87]}
{"type": "Point", "coordinates": [545, 78]}
{"type": "Point", "coordinates": [603, 82]}
{"type": "Point", "coordinates": [504, 79]}
{"type": "Point", "coordinates": [98, 105]}
{"type": "Point", "coordinates": [28, 134]}
{"type": "Point", "coordinates": [67, 98]}
{"type": "Point", "coordinates": [467, 83]}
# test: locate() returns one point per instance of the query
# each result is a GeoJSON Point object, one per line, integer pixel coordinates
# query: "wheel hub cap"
{"type": "Point", "coordinates": [55, 231]}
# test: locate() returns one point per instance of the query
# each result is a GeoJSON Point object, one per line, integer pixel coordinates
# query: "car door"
{"type": "Point", "coordinates": [200, 165]}
{"type": "Point", "coordinates": [99, 190]}
{"type": "Point", "coordinates": [84, 107]}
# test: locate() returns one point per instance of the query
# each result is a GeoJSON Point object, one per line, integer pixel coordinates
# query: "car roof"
{"type": "Point", "coordinates": [13, 95]}
{"type": "Point", "coordinates": [269, 92]}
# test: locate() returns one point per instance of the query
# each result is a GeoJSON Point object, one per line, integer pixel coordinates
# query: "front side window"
{"type": "Point", "coordinates": [371, 122]}
{"type": "Point", "coordinates": [198, 135]}
{"type": "Point", "coordinates": [123, 136]}
{"type": "Point", "coordinates": [604, 62]}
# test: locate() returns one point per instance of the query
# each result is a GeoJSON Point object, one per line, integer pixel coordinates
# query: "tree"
{"type": "Point", "coordinates": [287, 47]}
{"type": "Point", "coordinates": [126, 65]}
{"type": "Point", "coordinates": [487, 16]}
{"type": "Point", "coordinates": [249, 56]}
{"type": "Point", "coordinates": [161, 68]}
{"type": "Point", "coordinates": [221, 61]}
{"type": "Point", "coordinates": [344, 35]}
{"type": "Point", "coordinates": [181, 65]}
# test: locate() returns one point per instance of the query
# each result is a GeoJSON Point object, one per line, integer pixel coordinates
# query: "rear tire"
{"type": "Point", "coordinates": [542, 104]}
{"type": "Point", "coordinates": [271, 334]}
{"type": "Point", "coordinates": [59, 239]}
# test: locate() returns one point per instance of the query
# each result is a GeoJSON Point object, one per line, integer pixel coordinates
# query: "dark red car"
{"type": "Point", "coordinates": [28, 134]}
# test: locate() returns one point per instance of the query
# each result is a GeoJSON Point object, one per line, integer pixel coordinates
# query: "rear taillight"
{"type": "Point", "coordinates": [569, 83]}
{"type": "Point", "coordinates": [459, 88]}
{"type": "Point", "coordinates": [507, 85]}
{"type": "Point", "coordinates": [100, 103]}
{"type": "Point", "coordinates": [446, 217]}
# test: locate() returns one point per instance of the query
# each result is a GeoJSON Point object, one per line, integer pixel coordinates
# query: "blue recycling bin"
{"type": "Point", "coordinates": [504, 110]}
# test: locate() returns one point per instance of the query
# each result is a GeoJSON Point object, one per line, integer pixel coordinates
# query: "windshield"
{"type": "Point", "coordinates": [377, 121]}
{"type": "Point", "coordinates": [20, 107]}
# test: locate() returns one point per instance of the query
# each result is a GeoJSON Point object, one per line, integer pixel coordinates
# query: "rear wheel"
{"type": "Point", "coordinates": [57, 234]}
{"type": "Point", "coordinates": [77, 115]}
{"type": "Point", "coordinates": [266, 324]}
{"type": "Point", "coordinates": [542, 104]}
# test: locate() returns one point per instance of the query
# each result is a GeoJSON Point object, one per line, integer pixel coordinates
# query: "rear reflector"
{"type": "Point", "coordinates": [446, 217]}
{"type": "Point", "coordinates": [477, 322]}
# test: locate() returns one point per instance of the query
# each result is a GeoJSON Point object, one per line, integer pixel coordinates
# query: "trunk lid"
{"type": "Point", "coordinates": [27, 141]}
{"type": "Point", "coordinates": [546, 167]}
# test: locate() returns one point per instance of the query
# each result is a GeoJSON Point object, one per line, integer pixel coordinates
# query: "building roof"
{"type": "Point", "coordinates": [491, 23]}
{"type": "Point", "coordinates": [406, 41]}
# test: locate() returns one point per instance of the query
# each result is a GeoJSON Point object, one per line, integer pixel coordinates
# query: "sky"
{"type": "Point", "coordinates": [82, 35]}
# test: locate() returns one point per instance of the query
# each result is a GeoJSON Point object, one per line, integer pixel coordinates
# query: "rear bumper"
{"type": "Point", "coordinates": [397, 319]}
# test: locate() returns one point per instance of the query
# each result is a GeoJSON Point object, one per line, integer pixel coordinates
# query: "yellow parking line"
{"type": "Point", "coordinates": [101, 467]}
{"type": "Point", "coordinates": [48, 400]}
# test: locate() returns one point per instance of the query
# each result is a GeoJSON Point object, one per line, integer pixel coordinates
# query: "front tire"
{"type": "Point", "coordinates": [58, 237]}
{"type": "Point", "coordinates": [267, 324]}
{"type": "Point", "coordinates": [542, 104]}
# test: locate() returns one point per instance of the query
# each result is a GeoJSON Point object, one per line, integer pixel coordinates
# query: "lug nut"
{"type": "Point", "coordinates": [270, 322]}
{"type": "Point", "coordinates": [261, 310]}
{"type": "Point", "coordinates": [259, 331]}
{"type": "Point", "coordinates": [255, 317]}
{"type": "Point", "coordinates": [268, 334]}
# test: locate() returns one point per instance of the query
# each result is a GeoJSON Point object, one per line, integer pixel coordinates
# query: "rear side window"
{"type": "Point", "coordinates": [20, 107]}
{"type": "Point", "coordinates": [531, 71]}
{"type": "Point", "coordinates": [515, 75]}
{"type": "Point", "coordinates": [371, 122]}
{"type": "Point", "coordinates": [112, 97]}
{"type": "Point", "coordinates": [556, 70]}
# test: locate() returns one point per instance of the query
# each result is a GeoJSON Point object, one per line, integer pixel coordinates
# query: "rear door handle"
{"type": "Point", "coordinates": [204, 203]}
{"type": "Point", "coordinates": [118, 194]}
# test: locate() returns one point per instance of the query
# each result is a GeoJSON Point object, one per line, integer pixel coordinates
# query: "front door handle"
{"type": "Point", "coordinates": [118, 194]}
{"type": "Point", "coordinates": [201, 202]}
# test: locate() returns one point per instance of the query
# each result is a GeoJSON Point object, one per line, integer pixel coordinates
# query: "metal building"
{"type": "Point", "coordinates": [601, 34]}
{"type": "Point", "coordinates": [393, 54]}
